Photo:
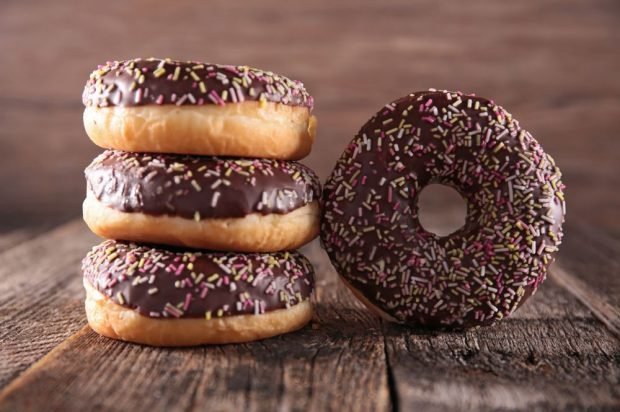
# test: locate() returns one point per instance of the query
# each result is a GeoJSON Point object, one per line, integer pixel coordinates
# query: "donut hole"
{"type": "Point", "coordinates": [441, 209]}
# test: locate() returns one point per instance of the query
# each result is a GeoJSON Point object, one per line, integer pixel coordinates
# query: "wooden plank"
{"type": "Point", "coordinates": [334, 363]}
{"type": "Point", "coordinates": [553, 354]}
{"type": "Point", "coordinates": [14, 237]}
{"type": "Point", "coordinates": [354, 56]}
{"type": "Point", "coordinates": [590, 270]}
{"type": "Point", "coordinates": [41, 298]}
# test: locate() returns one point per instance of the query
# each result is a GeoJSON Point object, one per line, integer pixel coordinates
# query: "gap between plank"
{"type": "Point", "coordinates": [606, 313]}
{"type": "Point", "coordinates": [392, 390]}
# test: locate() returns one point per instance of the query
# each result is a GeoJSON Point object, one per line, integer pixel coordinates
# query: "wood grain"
{"type": "Point", "coordinates": [14, 237]}
{"type": "Point", "coordinates": [298, 371]}
{"type": "Point", "coordinates": [346, 358]}
{"type": "Point", "coordinates": [552, 63]}
{"type": "Point", "coordinates": [590, 270]}
{"type": "Point", "coordinates": [40, 296]}
{"type": "Point", "coordinates": [552, 355]}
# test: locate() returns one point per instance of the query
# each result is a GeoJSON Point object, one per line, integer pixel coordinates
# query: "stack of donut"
{"type": "Point", "coordinates": [202, 202]}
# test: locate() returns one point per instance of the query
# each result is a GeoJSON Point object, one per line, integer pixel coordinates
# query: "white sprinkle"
{"type": "Point", "coordinates": [215, 198]}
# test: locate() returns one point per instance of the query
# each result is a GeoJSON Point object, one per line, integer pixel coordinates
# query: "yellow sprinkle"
{"type": "Point", "coordinates": [202, 87]}
{"type": "Point", "coordinates": [197, 216]}
{"type": "Point", "coordinates": [177, 72]}
{"type": "Point", "coordinates": [208, 315]}
{"type": "Point", "coordinates": [159, 72]}
{"type": "Point", "coordinates": [196, 185]}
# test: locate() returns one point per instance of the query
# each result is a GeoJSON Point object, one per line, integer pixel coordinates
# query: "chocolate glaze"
{"type": "Point", "coordinates": [171, 283]}
{"type": "Point", "coordinates": [140, 82]}
{"type": "Point", "coordinates": [482, 272]}
{"type": "Point", "coordinates": [196, 187]}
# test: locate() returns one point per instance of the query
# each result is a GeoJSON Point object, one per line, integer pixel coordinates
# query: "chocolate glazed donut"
{"type": "Point", "coordinates": [252, 205]}
{"type": "Point", "coordinates": [170, 297]}
{"type": "Point", "coordinates": [482, 272]}
{"type": "Point", "coordinates": [168, 106]}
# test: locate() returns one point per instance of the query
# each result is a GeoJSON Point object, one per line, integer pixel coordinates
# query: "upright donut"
{"type": "Point", "coordinates": [168, 106]}
{"type": "Point", "coordinates": [476, 275]}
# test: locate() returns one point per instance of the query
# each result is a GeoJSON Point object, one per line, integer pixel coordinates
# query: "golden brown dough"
{"type": "Point", "coordinates": [116, 322]}
{"type": "Point", "coordinates": [252, 233]}
{"type": "Point", "coordinates": [249, 129]}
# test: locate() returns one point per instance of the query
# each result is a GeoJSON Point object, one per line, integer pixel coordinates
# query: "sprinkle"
{"type": "Point", "coordinates": [196, 185]}
{"type": "Point", "coordinates": [112, 83]}
{"type": "Point", "coordinates": [372, 232]}
{"type": "Point", "coordinates": [159, 72]}
{"type": "Point", "coordinates": [215, 198]}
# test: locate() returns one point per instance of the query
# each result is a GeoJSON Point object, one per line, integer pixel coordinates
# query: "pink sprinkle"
{"type": "Point", "coordinates": [188, 298]}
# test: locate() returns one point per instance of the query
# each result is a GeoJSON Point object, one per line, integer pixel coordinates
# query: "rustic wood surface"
{"type": "Point", "coordinates": [554, 354]}
{"type": "Point", "coordinates": [552, 63]}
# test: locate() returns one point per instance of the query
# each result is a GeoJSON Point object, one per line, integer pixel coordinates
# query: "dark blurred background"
{"type": "Point", "coordinates": [554, 64]}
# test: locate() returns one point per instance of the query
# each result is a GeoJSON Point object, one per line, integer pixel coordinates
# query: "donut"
{"type": "Point", "coordinates": [167, 106]}
{"type": "Point", "coordinates": [244, 205]}
{"type": "Point", "coordinates": [169, 297]}
{"type": "Point", "coordinates": [475, 276]}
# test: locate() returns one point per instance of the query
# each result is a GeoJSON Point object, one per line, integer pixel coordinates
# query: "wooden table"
{"type": "Point", "coordinates": [553, 64]}
{"type": "Point", "coordinates": [560, 351]}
